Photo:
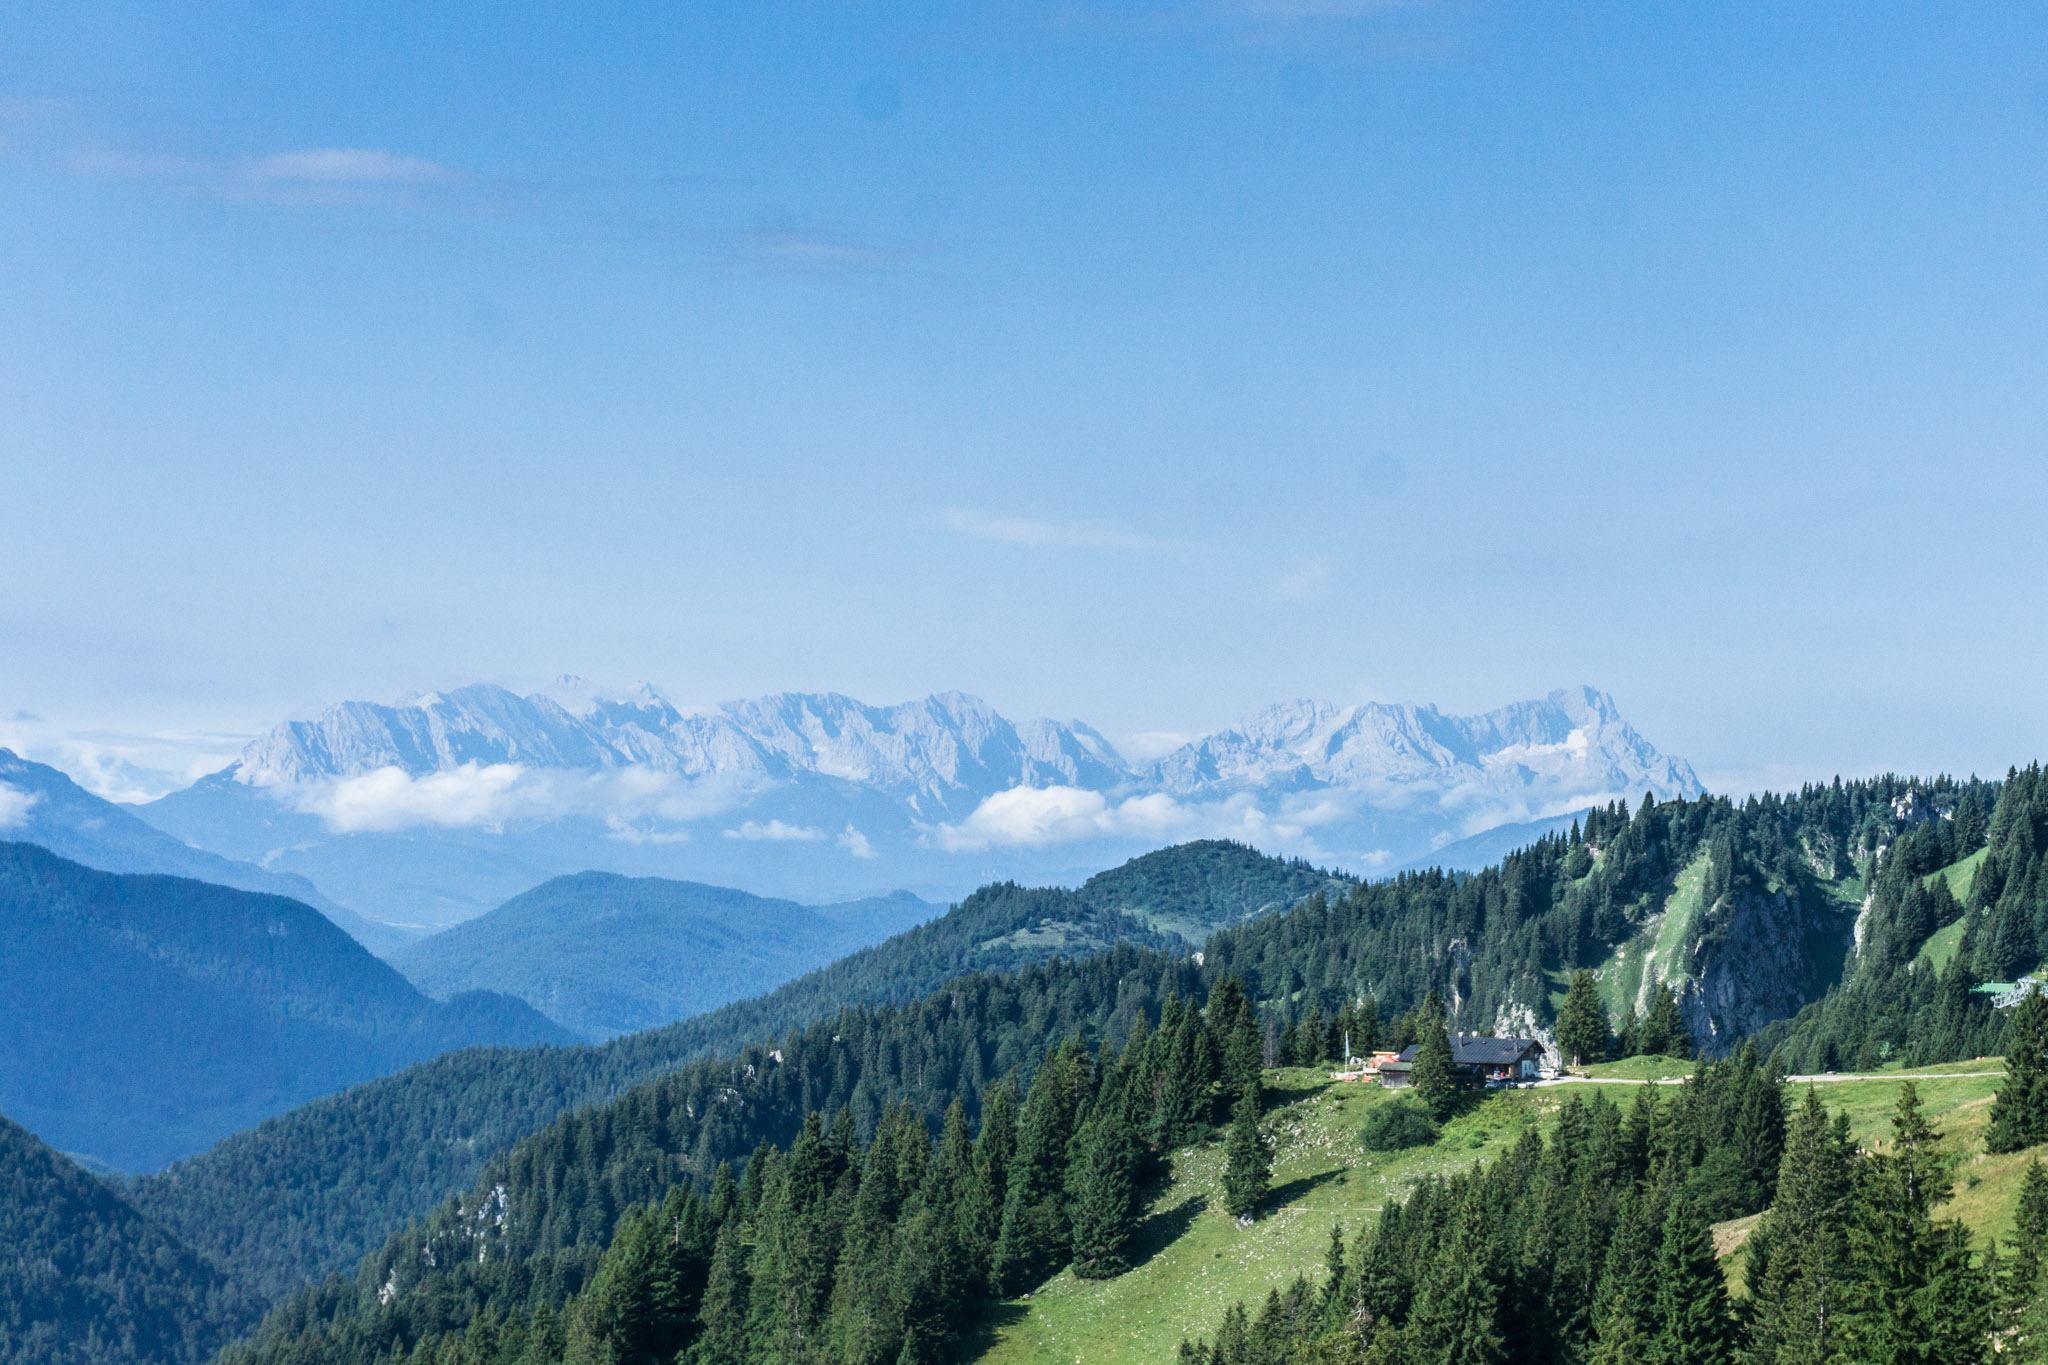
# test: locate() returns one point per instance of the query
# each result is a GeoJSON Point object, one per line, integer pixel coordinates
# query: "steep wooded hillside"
{"type": "Point", "coordinates": [87, 1280]}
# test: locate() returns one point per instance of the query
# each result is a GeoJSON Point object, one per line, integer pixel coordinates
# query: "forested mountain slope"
{"type": "Point", "coordinates": [603, 955]}
{"type": "Point", "coordinates": [87, 1280]}
{"type": "Point", "coordinates": [1960, 898]}
{"type": "Point", "coordinates": [373, 1157]}
{"type": "Point", "coordinates": [144, 1017]}
{"type": "Point", "coordinates": [1748, 912]}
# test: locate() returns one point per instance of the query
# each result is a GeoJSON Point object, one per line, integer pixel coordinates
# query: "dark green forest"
{"type": "Point", "coordinates": [85, 1279]}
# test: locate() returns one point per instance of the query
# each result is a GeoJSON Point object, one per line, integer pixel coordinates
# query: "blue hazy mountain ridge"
{"type": "Point", "coordinates": [56, 813]}
{"type": "Point", "coordinates": [1489, 847]}
{"type": "Point", "coordinates": [435, 809]}
{"type": "Point", "coordinates": [145, 1017]}
{"type": "Point", "coordinates": [603, 954]}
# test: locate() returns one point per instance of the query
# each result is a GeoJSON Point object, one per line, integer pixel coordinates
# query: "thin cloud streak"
{"type": "Point", "coordinates": [1003, 530]}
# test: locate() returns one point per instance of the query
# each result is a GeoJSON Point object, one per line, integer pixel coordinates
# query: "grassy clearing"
{"type": "Point", "coordinates": [1640, 1069]}
{"type": "Point", "coordinates": [1961, 875]}
{"type": "Point", "coordinates": [1940, 948]}
{"type": "Point", "coordinates": [1658, 948]}
{"type": "Point", "coordinates": [1195, 1261]}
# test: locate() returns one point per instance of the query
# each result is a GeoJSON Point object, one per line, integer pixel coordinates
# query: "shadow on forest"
{"type": "Point", "coordinates": [1164, 1228]}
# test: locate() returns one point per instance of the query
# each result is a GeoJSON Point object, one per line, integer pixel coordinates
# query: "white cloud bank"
{"type": "Point", "coordinates": [1036, 817]}
{"type": "Point", "coordinates": [495, 795]}
{"type": "Point", "coordinates": [15, 804]}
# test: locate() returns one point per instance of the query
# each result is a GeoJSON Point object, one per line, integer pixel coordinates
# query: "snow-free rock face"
{"type": "Point", "coordinates": [441, 805]}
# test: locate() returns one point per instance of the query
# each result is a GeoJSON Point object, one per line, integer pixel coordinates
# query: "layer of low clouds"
{"type": "Point", "coordinates": [493, 796]}
{"type": "Point", "coordinates": [1039, 817]}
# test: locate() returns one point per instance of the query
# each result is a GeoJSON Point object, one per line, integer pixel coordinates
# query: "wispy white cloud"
{"type": "Point", "coordinates": [120, 765]}
{"type": "Point", "coordinates": [345, 166]}
{"type": "Point", "coordinates": [1010, 530]}
{"type": "Point", "coordinates": [775, 832]}
{"type": "Point", "coordinates": [302, 175]}
{"type": "Point", "coordinates": [801, 251]}
{"type": "Point", "coordinates": [856, 843]}
{"type": "Point", "coordinates": [1305, 580]}
{"type": "Point", "coordinates": [15, 804]}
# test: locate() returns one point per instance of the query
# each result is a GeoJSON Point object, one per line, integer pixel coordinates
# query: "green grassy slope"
{"type": "Point", "coordinates": [1657, 949]}
{"type": "Point", "coordinates": [1193, 1261]}
{"type": "Point", "coordinates": [1941, 945]}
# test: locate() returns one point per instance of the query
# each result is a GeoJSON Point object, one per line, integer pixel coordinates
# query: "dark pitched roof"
{"type": "Point", "coordinates": [1476, 1049]}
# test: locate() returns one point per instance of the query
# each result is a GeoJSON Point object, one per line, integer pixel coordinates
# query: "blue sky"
{"type": "Point", "coordinates": [1137, 364]}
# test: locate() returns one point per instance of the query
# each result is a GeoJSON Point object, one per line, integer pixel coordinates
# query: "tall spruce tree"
{"type": "Point", "coordinates": [1693, 1323]}
{"type": "Point", "coordinates": [1915, 1296]}
{"type": "Point", "coordinates": [1036, 1239]}
{"type": "Point", "coordinates": [2019, 1115]}
{"type": "Point", "coordinates": [1246, 1167]}
{"type": "Point", "coordinates": [1435, 1077]}
{"type": "Point", "coordinates": [1581, 1022]}
{"type": "Point", "coordinates": [2024, 1270]}
{"type": "Point", "coordinates": [1103, 1194]}
{"type": "Point", "coordinates": [1798, 1255]}
{"type": "Point", "coordinates": [1456, 1314]}
{"type": "Point", "coordinates": [1662, 1032]}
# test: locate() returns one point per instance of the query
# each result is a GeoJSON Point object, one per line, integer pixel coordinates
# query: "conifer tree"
{"type": "Point", "coordinates": [1798, 1255]}
{"type": "Point", "coordinates": [1035, 1238]}
{"type": "Point", "coordinates": [1581, 1023]}
{"type": "Point", "coordinates": [2028, 1260]}
{"type": "Point", "coordinates": [1246, 1168]}
{"type": "Point", "coordinates": [1915, 1294]}
{"type": "Point", "coordinates": [722, 1338]}
{"type": "Point", "coordinates": [1624, 1309]}
{"type": "Point", "coordinates": [1102, 1187]}
{"type": "Point", "coordinates": [1456, 1315]}
{"type": "Point", "coordinates": [1662, 1032]}
{"type": "Point", "coordinates": [1234, 1029]}
{"type": "Point", "coordinates": [1435, 1077]}
{"type": "Point", "coordinates": [1693, 1325]}
{"type": "Point", "coordinates": [2019, 1114]}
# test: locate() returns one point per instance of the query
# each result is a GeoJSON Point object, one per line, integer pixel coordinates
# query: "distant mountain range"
{"type": "Point", "coordinates": [602, 954]}
{"type": "Point", "coordinates": [430, 811]}
{"type": "Point", "coordinates": [145, 1017]}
